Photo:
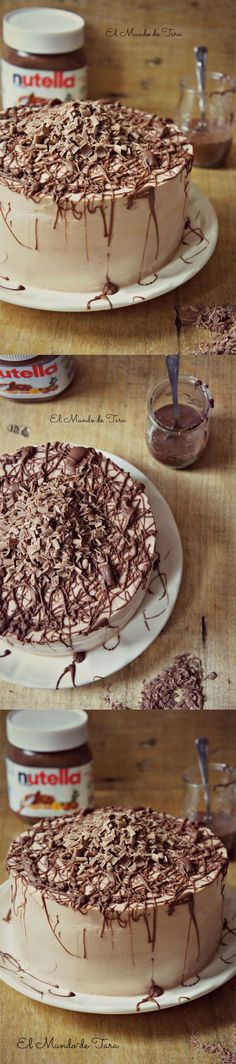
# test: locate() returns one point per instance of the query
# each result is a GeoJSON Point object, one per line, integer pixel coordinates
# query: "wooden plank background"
{"type": "Point", "coordinates": [144, 769]}
{"type": "Point", "coordinates": [144, 72]}
{"type": "Point", "coordinates": [202, 499]}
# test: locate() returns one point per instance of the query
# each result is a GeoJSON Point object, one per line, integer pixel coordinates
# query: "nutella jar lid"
{"type": "Point", "coordinates": [43, 30]}
{"type": "Point", "coordinates": [46, 730]}
{"type": "Point", "coordinates": [26, 358]}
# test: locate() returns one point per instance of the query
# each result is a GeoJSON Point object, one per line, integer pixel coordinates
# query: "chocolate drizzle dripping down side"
{"type": "Point", "coordinates": [11, 288]}
{"type": "Point", "coordinates": [146, 282]}
{"type": "Point", "coordinates": [8, 917]}
{"type": "Point", "coordinates": [36, 235]}
{"type": "Point", "coordinates": [53, 929]}
{"type": "Point", "coordinates": [12, 965]}
{"type": "Point", "coordinates": [8, 224]}
{"type": "Point", "coordinates": [192, 920]}
{"type": "Point", "coordinates": [153, 994]}
{"type": "Point", "coordinates": [71, 669]}
{"type": "Point", "coordinates": [200, 237]}
{"type": "Point", "coordinates": [150, 196]}
{"type": "Point", "coordinates": [109, 289]}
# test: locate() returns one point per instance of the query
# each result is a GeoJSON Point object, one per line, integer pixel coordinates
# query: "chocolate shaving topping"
{"type": "Point", "coordinates": [68, 150]}
{"type": "Point", "coordinates": [77, 541]}
{"type": "Point", "coordinates": [117, 859]}
{"type": "Point", "coordinates": [178, 687]}
{"type": "Point", "coordinates": [220, 322]}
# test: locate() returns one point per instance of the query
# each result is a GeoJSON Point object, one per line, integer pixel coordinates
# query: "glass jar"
{"type": "Point", "coordinates": [222, 793]}
{"type": "Point", "coordinates": [178, 445]}
{"type": "Point", "coordinates": [211, 143]}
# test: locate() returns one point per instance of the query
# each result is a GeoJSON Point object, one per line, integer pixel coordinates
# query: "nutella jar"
{"type": "Point", "coordinates": [35, 378]}
{"type": "Point", "coordinates": [43, 56]}
{"type": "Point", "coordinates": [49, 763]}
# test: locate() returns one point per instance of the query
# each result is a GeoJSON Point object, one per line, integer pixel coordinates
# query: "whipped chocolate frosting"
{"type": "Point", "coordinates": [117, 859]}
{"type": "Point", "coordinates": [77, 541]}
{"type": "Point", "coordinates": [69, 150]}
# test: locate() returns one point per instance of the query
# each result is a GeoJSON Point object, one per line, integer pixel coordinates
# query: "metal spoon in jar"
{"type": "Point", "coordinates": [202, 747]}
{"type": "Point", "coordinates": [172, 365]}
{"type": "Point", "coordinates": [200, 54]}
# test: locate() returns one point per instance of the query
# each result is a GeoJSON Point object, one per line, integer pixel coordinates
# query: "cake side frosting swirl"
{"type": "Point", "coordinates": [77, 540]}
{"type": "Point", "coordinates": [117, 860]}
{"type": "Point", "coordinates": [70, 150]}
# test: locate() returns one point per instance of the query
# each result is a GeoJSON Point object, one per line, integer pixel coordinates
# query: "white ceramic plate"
{"type": "Point", "coordinates": [221, 969]}
{"type": "Point", "coordinates": [32, 670]}
{"type": "Point", "coordinates": [196, 248]}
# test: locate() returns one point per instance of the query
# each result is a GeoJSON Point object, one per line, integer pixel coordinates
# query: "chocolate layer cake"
{"type": "Point", "coordinates": [77, 546]}
{"type": "Point", "coordinates": [93, 195]}
{"type": "Point", "coordinates": [117, 901]}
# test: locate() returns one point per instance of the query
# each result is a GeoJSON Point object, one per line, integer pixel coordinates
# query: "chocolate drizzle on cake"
{"type": "Point", "coordinates": [77, 541]}
{"type": "Point", "coordinates": [119, 861]}
{"type": "Point", "coordinates": [103, 148]}
{"type": "Point", "coordinates": [114, 869]}
{"type": "Point", "coordinates": [71, 669]}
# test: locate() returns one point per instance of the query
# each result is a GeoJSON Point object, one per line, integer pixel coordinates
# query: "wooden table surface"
{"type": "Point", "coordinates": [202, 500]}
{"type": "Point", "coordinates": [142, 71]}
{"type": "Point", "coordinates": [144, 770]}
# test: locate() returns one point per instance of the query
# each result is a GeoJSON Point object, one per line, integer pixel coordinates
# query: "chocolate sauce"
{"type": "Point", "coordinates": [211, 145]}
{"type": "Point", "coordinates": [183, 441]}
{"type": "Point", "coordinates": [189, 417]}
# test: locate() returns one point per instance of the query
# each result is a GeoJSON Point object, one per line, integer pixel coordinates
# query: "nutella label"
{"type": "Point", "coordinates": [36, 380]}
{"type": "Point", "coordinates": [35, 792]}
{"type": "Point", "coordinates": [21, 85]}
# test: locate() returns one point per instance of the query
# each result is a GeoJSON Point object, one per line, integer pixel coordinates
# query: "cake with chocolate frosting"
{"type": "Point", "coordinates": [117, 901]}
{"type": "Point", "coordinates": [77, 548]}
{"type": "Point", "coordinates": [93, 195]}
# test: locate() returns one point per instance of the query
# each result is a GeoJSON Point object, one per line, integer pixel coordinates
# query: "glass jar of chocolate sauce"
{"type": "Point", "coordinates": [178, 444]}
{"type": "Point", "coordinates": [222, 792]}
{"type": "Point", "coordinates": [212, 139]}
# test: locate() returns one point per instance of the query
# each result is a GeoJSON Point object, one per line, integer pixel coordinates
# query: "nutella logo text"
{"type": "Point", "coordinates": [31, 371]}
{"type": "Point", "coordinates": [56, 80]}
{"type": "Point", "coordinates": [63, 776]}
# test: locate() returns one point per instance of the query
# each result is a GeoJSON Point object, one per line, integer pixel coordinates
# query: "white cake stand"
{"type": "Point", "coordinates": [12, 971]}
{"type": "Point", "coordinates": [197, 246]}
{"type": "Point", "coordinates": [46, 671]}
